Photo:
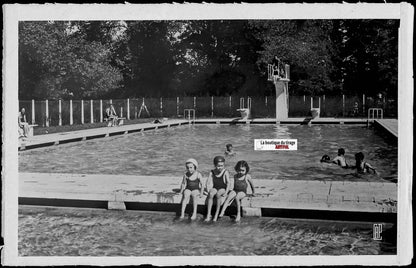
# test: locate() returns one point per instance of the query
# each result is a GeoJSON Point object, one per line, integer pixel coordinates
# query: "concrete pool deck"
{"type": "Point", "coordinates": [389, 125]}
{"type": "Point", "coordinates": [308, 197]}
{"type": "Point", "coordinates": [86, 134]}
{"type": "Point", "coordinates": [64, 137]}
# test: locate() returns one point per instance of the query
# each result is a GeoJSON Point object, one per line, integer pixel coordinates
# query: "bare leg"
{"type": "Point", "coordinates": [21, 132]}
{"type": "Point", "coordinates": [185, 200]}
{"type": "Point", "coordinates": [211, 195]}
{"type": "Point", "coordinates": [26, 129]}
{"type": "Point", "coordinates": [230, 197]}
{"type": "Point", "coordinates": [195, 200]}
{"type": "Point", "coordinates": [218, 197]}
{"type": "Point", "coordinates": [238, 199]}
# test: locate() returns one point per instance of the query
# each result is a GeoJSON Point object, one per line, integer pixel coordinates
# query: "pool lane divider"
{"type": "Point", "coordinates": [315, 199]}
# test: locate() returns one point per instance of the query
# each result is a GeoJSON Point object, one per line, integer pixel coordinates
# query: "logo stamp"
{"type": "Point", "coordinates": [377, 230]}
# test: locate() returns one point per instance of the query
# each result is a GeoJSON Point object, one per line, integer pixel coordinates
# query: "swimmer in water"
{"type": "Point", "coordinates": [340, 159]}
{"type": "Point", "coordinates": [326, 159]}
{"type": "Point", "coordinates": [218, 185]}
{"type": "Point", "coordinates": [191, 186]}
{"type": "Point", "coordinates": [241, 180]}
{"type": "Point", "coordinates": [229, 150]}
{"type": "Point", "coordinates": [361, 166]}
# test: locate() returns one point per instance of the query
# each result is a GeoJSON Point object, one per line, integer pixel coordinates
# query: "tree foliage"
{"type": "Point", "coordinates": [96, 59]}
{"type": "Point", "coordinates": [57, 61]}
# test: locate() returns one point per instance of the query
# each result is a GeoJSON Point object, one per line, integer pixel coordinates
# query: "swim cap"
{"type": "Point", "coordinates": [218, 159]}
{"type": "Point", "coordinates": [193, 161]}
{"type": "Point", "coordinates": [325, 157]}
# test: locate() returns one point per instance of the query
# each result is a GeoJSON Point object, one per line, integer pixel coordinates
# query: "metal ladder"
{"type": "Point", "coordinates": [373, 113]}
{"type": "Point", "coordinates": [190, 113]}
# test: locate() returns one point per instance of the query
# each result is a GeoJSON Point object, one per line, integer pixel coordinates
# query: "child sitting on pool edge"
{"type": "Point", "coordinates": [361, 166]}
{"type": "Point", "coordinates": [241, 180]}
{"type": "Point", "coordinates": [191, 186]}
{"type": "Point", "coordinates": [218, 185]}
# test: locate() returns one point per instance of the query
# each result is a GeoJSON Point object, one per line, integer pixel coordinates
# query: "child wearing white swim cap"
{"type": "Point", "coordinates": [191, 186]}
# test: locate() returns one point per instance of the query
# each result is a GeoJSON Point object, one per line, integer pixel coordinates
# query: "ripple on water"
{"type": "Point", "coordinates": [163, 152]}
{"type": "Point", "coordinates": [76, 232]}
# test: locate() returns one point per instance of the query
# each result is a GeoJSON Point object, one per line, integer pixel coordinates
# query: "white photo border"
{"type": "Point", "coordinates": [13, 13]}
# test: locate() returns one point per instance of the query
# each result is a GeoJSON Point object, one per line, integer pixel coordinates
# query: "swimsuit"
{"type": "Point", "coordinates": [240, 185]}
{"type": "Point", "coordinates": [192, 184]}
{"type": "Point", "coordinates": [364, 168]}
{"type": "Point", "coordinates": [218, 181]}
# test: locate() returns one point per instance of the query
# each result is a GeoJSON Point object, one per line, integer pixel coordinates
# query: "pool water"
{"type": "Point", "coordinates": [45, 231]}
{"type": "Point", "coordinates": [164, 151]}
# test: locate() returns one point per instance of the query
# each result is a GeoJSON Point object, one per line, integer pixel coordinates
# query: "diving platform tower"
{"type": "Point", "coordinates": [278, 73]}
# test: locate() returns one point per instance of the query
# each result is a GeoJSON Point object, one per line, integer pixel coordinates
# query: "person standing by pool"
{"type": "Point", "coordinates": [361, 166]}
{"type": "Point", "coordinates": [23, 124]}
{"type": "Point", "coordinates": [218, 185]}
{"type": "Point", "coordinates": [241, 180]}
{"type": "Point", "coordinates": [355, 110]}
{"type": "Point", "coordinates": [191, 186]}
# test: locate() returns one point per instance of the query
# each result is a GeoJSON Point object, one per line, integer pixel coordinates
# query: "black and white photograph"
{"type": "Point", "coordinates": [207, 134]}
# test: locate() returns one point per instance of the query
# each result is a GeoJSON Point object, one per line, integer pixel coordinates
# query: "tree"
{"type": "Point", "coordinates": [367, 56]}
{"type": "Point", "coordinates": [304, 45]}
{"type": "Point", "coordinates": [149, 59]}
{"type": "Point", "coordinates": [56, 61]}
{"type": "Point", "coordinates": [217, 57]}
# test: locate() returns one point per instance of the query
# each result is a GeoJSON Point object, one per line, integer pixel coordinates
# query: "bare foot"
{"type": "Point", "coordinates": [208, 218]}
{"type": "Point", "coordinates": [193, 217]}
{"type": "Point", "coordinates": [182, 217]}
{"type": "Point", "coordinates": [237, 219]}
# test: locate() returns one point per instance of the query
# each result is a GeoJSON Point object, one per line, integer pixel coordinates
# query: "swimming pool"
{"type": "Point", "coordinates": [163, 152]}
{"type": "Point", "coordinates": [49, 231]}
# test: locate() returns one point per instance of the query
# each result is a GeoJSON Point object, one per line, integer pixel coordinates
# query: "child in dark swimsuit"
{"type": "Point", "coordinates": [241, 180]}
{"type": "Point", "coordinates": [361, 166]}
{"type": "Point", "coordinates": [191, 186]}
{"type": "Point", "coordinates": [218, 185]}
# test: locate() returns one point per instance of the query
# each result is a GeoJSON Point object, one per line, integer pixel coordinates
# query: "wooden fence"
{"type": "Point", "coordinates": [69, 112]}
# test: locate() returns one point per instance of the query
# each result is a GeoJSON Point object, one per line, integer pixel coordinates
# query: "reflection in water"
{"type": "Point", "coordinates": [163, 152]}
{"type": "Point", "coordinates": [89, 232]}
{"type": "Point", "coordinates": [282, 132]}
